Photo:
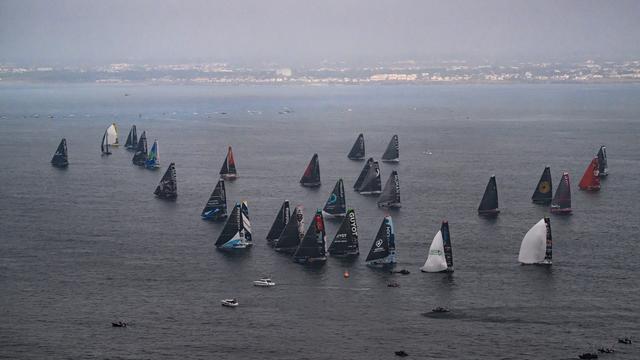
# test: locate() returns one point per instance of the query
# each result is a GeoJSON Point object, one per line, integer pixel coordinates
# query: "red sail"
{"type": "Point", "coordinates": [590, 180]}
{"type": "Point", "coordinates": [230, 159]}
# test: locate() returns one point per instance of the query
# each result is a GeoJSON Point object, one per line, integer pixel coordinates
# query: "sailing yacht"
{"type": "Point", "coordinates": [390, 196]}
{"type": "Point", "coordinates": [168, 186]}
{"type": "Point", "coordinates": [440, 258]}
{"type": "Point", "coordinates": [357, 150]}
{"type": "Point", "coordinates": [216, 207]}
{"type": "Point", "coordinates": [383, 248]}
{"type": "Point", "coordinates": [311, 176]}
{"type": "Point", "coordinates": [345, 243]}
{"type": "Point", "coordinates": [336, 204]}
{"type": "Point", "coordinates": [60, 158]}
{"type": "Point", "coordinates": [489, 204]}
{"type": "Point", "coordinates": [392, 153]}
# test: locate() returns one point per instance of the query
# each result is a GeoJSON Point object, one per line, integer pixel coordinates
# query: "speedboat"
{"type": "Point", "coordinates": [264, 282]}
{"type": "Point", "coordinates": [588, 356]}
{"type": "Point", "coordinates": [440, 309]}
{"type": "Point", "coordinates": [119, 324]}
{"type": "Point", "coordinates": [230, 302]}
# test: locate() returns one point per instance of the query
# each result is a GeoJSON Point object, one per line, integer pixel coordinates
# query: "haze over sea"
{"type": "Point", "coordinates": [87, 245]}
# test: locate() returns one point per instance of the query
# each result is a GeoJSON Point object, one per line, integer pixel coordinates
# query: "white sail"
{"type": "Point", "coordinates": [436, 260]}
{"type": "Point", "coordinates": [534, 244]}
{"type": "Point", "coordinates": [112, 130]}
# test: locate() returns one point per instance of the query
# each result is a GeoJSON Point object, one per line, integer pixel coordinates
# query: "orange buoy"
{"type": "Point", "coordinates": [346, 274]}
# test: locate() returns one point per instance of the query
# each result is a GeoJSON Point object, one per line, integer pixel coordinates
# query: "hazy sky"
{"type": "Point", "coordinates": [297, 32]}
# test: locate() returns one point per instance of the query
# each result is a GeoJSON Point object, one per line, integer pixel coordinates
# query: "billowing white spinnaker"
{"type": "Point", "coordinates": [436, 260]}
{"type": "Point", "coordinates": [534, 243]}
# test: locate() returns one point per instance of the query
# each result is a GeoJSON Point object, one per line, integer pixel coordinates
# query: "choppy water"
{"type": "Point", "coordinates": [88, 245]}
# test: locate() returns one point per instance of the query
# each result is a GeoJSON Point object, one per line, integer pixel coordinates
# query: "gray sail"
{"type": "Point", "coordinates": [371, 185]}
{"type": "Point", "coordinates": [168, 186]}
{"type": "Point", "coordinates": [292, 233]}
{"type": "Point", "coordinates": [489, 204]}
{"type": "Point", "coordinates": [336, 203]}
{"type": "Point", "coordinates": [312, 245]}
{"type": "Point", "coordinates": [140, 156]}
{"type": "Point", "coordinates": [280, 222]}
{"type": "Point", "coordinates": [383, 249]}
{"type": "Point", "coordinates": [60, 158]}
{"type": "Point", "coordinates": [363, 173]}
{"type": "Point", "coordinates": [357, 150]}
{"type": "Point", "coordinates": [345, 243]}
{"type": "Point", "coordinates": [390, 196]}
{"type": "Point", "coordinates": [392, 153]}
{"type": "Point", "coordinates": [132, 138]}
{"type": "Point", "coordinates": [216, 207]}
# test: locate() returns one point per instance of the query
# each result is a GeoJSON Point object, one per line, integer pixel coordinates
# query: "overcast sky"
{"type": "Point", "coordinates": [308, 32]}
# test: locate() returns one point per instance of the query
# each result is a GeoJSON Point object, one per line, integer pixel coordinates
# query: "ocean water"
{"type": "Point", "coordinates": [87, 245]}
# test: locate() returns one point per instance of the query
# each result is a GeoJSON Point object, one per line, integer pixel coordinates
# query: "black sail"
{"type": "Point", "coordinates": [345, 243]}
{"type": "Point", "coordinates": [543, 192]}
{"type": "Point", "coordinates": [311, 176]}
{"type": "Point", "coordinates": [132, 138]}
{"type": "Point", "coordinates": [280, 222]}
{"type": "Point", "coordinates": [548, 255]}
{"type": "Point", "coordinates": [383, 244]}
{"type": "Point", "coordinates": [363, 173]}
{"type": "Point", "coordinates": [561, 202]}
{"type": "Point", "coordinates": [446, 242]}
{"type": "Point", "coordinates": [60, 157]}
{"type": "Point", "coordinates": [357, 150]}
{"type": "Point", "coordinates": [168, 186]}
{"type": "Point", "coordinates": [336, 203]}
{"type": "Point", "coordinates": [232, 227]}
{"type": "Point", "coordinates": [489, 203]}
{"type": "Point", "coordinates": [312, 246]}
{"type": "Point", "coordinates": [371, 183]}
{"type": "Point", "coordinates": [246, 223]}
{"type": "Point", "coordinates": [228, 169]}
{"type": "Point", "coordinates": [602, 161]}
{"type": "Point", "coordinates": [393, 150]}
{"type": "Point", "coordinates": [292, 233]}
{"type": "Point", "coordinates": [390, 196]}
{"type": "Point", "coordinates": [104, 144]}
{"type": "Point", "coordinates": [140, 156]}
{"type": "Point", "coordinates": [216, 207]}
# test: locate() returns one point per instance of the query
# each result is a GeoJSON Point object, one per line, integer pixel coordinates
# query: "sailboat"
{"type": "Point", "coordinates": [113, 135]}
{"type": "Point", "coordinates": [60, 157]}
{"type": "Point", "coordinates": [345, 243]}
{"type": "Point", "coordinates": [590, 180]}
{"type": "Point", "coordinates": [363, 173]}
{"type": "Point", "coordinates": [371, 185]}
{"type": "Point", "coordinates": [543, 192]}
{"type": "Point", "coordinates": [280, 222]}
{"type": "Point", "coordinates": [245, 221]}
{"type": "Point", "coordinates": [383, 249]}
{"type": "Point", "coordinates": [104, 144]}
{"type": "Point", "coordinates": [390, 197]}
{"type": "Point", "coordinates": [216, 207]}
{"type": "Point", "coordinates": [140, 156]}
{"type": "Point", "coordinates": [153, 160]}
{"type": "Point", "coordinates": [357, 150]}
{"type": "Point", "coordinates": [440, 258]}
{"type": "Point", "coordinates": [336, 203]}
{"type": "Point", "coordinates": [392, 153]}
{"type": "Point", "coordinates": [168, 186]}
{"type": "Point", "coordinates": [489, 204]}
{"type": "Point", "coordinates": [132, 138]}
{"type": "Point", "coordinates": [536, 246]}
{"type": "Point", "coordinates": [228, 170]}
{"type": "Point", "coordinates": [294, 231]}
{"type": "Point", "coordinates": [602, 161]}
{"type": "Point", "coordinates": [233, 235]}
{"type": "Point", "coordinates": [312, 246]}
{"type": "Point", "coordinates": [311, 176]}
{"type": "Point", "coordinates": [561, 203]}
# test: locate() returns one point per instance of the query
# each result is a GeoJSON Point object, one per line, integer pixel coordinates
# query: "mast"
{"type": "Point", "coordinates": [153, 161]}
{"type": "Point", "coordinates": [312, 246]}
{"type": "Point", "coordinates": [280, 222]}
{"type": "Point", "coordinates": [60, 157]}
{"type": "Point", "coordinates": [233, 234]}
{"type": "Point", "coordinates": [311, 176]}
{"type": "Point", "coordinates": [543, 191]}
{"type": "Point", "coordinates": [168, 186]}
{"type": "Point", "coordinates": [383, 249]}
{"type": "Point", "coordinates": [228, 170]}
{"type": "Point", "coordinates": [357, 150]}
{"type": "Point", "coordinates": [561, 203]}
{"type": "Point", "coordinates": [548, 254]}
{"type": "Point", "coordinates": [292, 233]}
{"type": "Point", "coordinates": [392, 153]}
{"type": "Point", "coordinates": [216, 207]}
{"type": "Point", "coordinates": [371, 185]}
{"type": "Point", "coordinates": [140, 156]}
{"type": "Point", "coordinates": [363, 174]}
{"type": "Point", "coordinates": [590, 180]}
{"type": "Point", "coordinates": [603, 169]}
{"type": "Point", "coordinates": [390, 196]}
{"type": "Point", "coordinates": [345, 243]}
{"type": "Point", "coordinates": [489, 204]}
{"type": "Point", "coordinates": [336, 203]}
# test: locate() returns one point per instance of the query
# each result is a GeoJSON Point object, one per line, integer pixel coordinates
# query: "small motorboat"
{"type": "Point", "coordinates": [440, 309]}
{"type": "Point", "coordinates": [393, 284]}
{"type": "Point", "coordinates": [264, 282]}
{"type": "Point", "coordinates": [588, 356]}
{"type": "Point", "coordinates": [605, 350]}
{"type": "Point", "coordinates": [624, 341]}
{"type": "Point", "coordinates": [403, 272]}
{"type": "Point", "coordinates": [119, 324]}
{"type": "Point", "coordinates": [230, 302]}
{"type": "Point", "coordinates": [401, 353]}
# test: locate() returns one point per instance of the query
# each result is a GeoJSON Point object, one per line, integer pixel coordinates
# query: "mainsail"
{"type": "Point", "coordinates": [216, 208]}
{"type": "Point", "coordinates": [345, 243]}
{"type": "Point", "coordinates": [590, 180]}
{"type": "Point", "coordinates": [602, 161]}
{"type": "Point", "coordinates": [383, 249]}
{"type": "Point", "coordinates": [228, 170]}
{"type": "Point", "coordinates": [489, 204]}
{"type": "Point", "coordinates": [104, 144]}
{"type": "Point", "coordinates": [60, 158]}
{"type": "Point", "coordinates": [371, 185]}
{"type": "Point", "coordinates": [390, 196]}
{"type": "Point", "coordinates": [280, 222]}
{"type": "Point", "coordinates": [363, 173]}
{"type": "Point", "coordinates": [312, 246]}
{"type": "Point", "coordinates": [132, 138]}
{"type": "Point", "coordinates": [233, 235]}
{"type": "Point", "coordinates": [440, 256]}
{"type": "Point", "coordinates": [140, 156]}
{"type": "Point", "coordinates": [292, 233]}
{"type": "Point", "coordinates": [561, 203]}
{"type": "Point", "coordinates": [393, 150]}
{"type": "Point", "coordinates": [246, 223]}
{"type": "Point", "coordinates": [168, 186]}
{"type": "Point", "coordinates": [113, 134]}
{"type": "Point", "coordinates": [543, 192]}
{"type": "Point", "coordinates": [357, 150]}
{"type": "Point", "coordinates": [311, 176]}
{"type": "Point", "coordinates": [153, 160]}
{"type": "Point", "coordinates": [536, 246]}
{"type": "Point", "coordinates": [336, 203]}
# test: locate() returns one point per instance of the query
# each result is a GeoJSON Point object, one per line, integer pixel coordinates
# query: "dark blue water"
{"type": "Point", "coordinates": [88, 245]}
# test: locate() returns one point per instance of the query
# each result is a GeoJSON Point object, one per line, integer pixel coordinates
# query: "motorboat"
{"type": "Point", "coordinates": [230, 302]}
{"type": "Point", "coordinates": [264, 282]}
{"type": "Point", "coordinates": [440, 309]}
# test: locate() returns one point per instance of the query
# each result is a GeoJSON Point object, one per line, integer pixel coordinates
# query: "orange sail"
{"type": "Point", "coordinates": [590, 180]}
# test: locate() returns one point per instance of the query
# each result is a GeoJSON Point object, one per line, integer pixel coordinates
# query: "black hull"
{"type": "Point", "coordinates": [216, 219]}
{"type": "Point", "coordinates": [311, 260]}
{"type": "Point", "coordinates": [289, 250]}
{"type": "Point", "coordinates": [489, 213]}
{"type": "Point", "coordinates": [167, 197]}
{"type": "Point", "coordinates": [310, 184]}
{"type": "Point", "coordinates": [561, 211]}
{"type": "Point", "coordinates": [542, 202]}
{"type": "Point", "coordinates": [346, 254]}
{"type": "Point", "coordinates": [390, 205]}
{"type": "Point", "coordinates": [60, 165]}
{"type": "Point", "coordinates": [356, 158]}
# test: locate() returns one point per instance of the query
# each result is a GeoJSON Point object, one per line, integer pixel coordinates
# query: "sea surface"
{"type": "Point", "coordinates": [87, 245]}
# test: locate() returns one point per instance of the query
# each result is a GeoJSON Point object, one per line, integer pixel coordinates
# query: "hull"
{"type": "Point", "coordinates": [560, 211]}
{"type": "Point", "coordinates": [311, 260]}
{"type": "Point", "coordinates": [287, 250]}
{"type": "Point", "coordinates": [591, 188]}
{"type": "Point", "coordinates": [340, 215]}
{"type": "Point", "coordinates": [493, 212]}
{"type": "Point", "coordinates": [390, 205]}
{"type": "Point", "coordinates": [356, 158]}
{"type": "Point", "coordinates": [377, 192]}
{"type": "Point", "coordinates": [60, 164]}
{"type": "Point", "coordinates": [234, 244]}
{"type": "Point", "coordinates": [440, 272]}
{"type": "Point", "coordinates": [168, 197]}
{"type": "Point", "coordinates": [542, 202]}
{"type": "Point", "coordinates": [603, 174]}
{"type": "Point", "coordinates": [310, 184]}
{"type": "Point", "coordinates": [345, 254]}
{"type": "Point", "coordinates": [229, 176]}
{"type": "Point", "coordinates": [391, 160]}
{"type": "Point", "coordinates": [543, 263]}
{"type": "Point", "coordinates": [213, 216]}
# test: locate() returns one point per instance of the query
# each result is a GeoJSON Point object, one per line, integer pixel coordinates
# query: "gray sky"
{"type": "Point", "coordinates": [298, 32]}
